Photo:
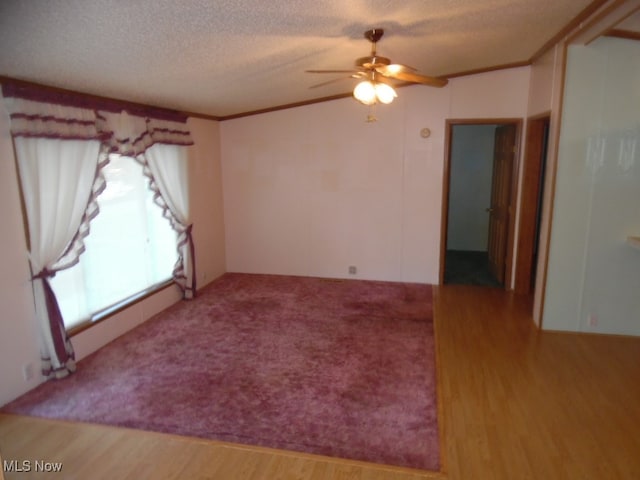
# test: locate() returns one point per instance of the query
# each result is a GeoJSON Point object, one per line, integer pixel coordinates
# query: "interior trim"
{"type": "Point", "coordinates": [446, 180]}
{"type": "Point", "coordinates": [465, 73]}
{"type": "Point", "coordinates": [628, 34]}
{"type": "Point", "coordinates": [99, 98]}
{"type": "Point", "coordinates": [568, 28]}
{"type": "Point", "coordinates": [600, 23]}
{"type": "Point", "coordinates": [285, 106]}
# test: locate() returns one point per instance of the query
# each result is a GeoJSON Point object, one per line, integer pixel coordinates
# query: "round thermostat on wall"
{"type": "Point", "coordinates": [425, 133]}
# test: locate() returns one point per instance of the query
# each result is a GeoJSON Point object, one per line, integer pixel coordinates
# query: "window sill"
{"type": "Point", "coordinates": [118, 307]}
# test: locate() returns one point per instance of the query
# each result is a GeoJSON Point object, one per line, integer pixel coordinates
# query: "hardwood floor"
{"type": "Point", "coordinates": [93, 452]}
{"type": "Point", "coordinates": [519, 403]}
{"type": "Point", "coordinates": [515, 404]}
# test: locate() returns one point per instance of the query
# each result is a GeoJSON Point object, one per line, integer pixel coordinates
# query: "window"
{"type": "Point", "coordinates": [131, 247]}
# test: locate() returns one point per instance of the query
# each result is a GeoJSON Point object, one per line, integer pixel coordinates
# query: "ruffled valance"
{"type": "Point", "coordinates": [48, 120]}
{"type": "Point", "coordinates": [132, 135]}
{"type": "Point", "coordinates": [122, 132]}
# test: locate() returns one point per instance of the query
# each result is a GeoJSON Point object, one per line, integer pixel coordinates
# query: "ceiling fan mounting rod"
{"type": "Point", "coordinates": [373, 36]}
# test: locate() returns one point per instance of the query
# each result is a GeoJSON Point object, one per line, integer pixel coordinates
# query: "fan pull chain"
{"type": "Point", "coordinates": [371, 116]}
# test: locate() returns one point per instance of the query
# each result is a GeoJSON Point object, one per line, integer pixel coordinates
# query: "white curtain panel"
{"type": "Point", "coordinates": [57, 152]}
{"type": "Point", "coordinates": [160, 146]}
{"type": "Point", "coordinates": [168, 172]}
{"type": "Point", "coordinates": [58, 178]}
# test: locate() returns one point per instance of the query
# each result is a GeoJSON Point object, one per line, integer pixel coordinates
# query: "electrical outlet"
{"type": "Point", "coordinates": [593, 320]}
{"type": "Point", "coordinates": [352, 270]}
{"type": "Point", "coordinates": [27, 371]}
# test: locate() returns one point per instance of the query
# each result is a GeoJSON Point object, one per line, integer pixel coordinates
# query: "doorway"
{"type": "Point", "coordinates": [479, 186]}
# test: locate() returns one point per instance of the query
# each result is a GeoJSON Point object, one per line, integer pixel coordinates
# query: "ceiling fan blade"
{"type": "Point", "coordinates": [394, 68]}
{"type": "Point", "coordinates": [332, 71]}
{"type": "Point", "coordinates": [322, 84]}
{"type": "Point", "coordinates": [413, 77]}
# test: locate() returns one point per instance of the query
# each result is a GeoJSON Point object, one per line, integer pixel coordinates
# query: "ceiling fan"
{"type": "Point", "coordinates": [377, 72]}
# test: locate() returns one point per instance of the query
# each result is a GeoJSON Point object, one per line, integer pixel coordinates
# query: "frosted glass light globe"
{"type": "Point", "coordinates": [385, 93]}
{"type": "Point", "coordinates": [365, 93]}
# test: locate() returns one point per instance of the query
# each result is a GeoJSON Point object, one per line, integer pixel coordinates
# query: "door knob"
{"type": "Point", "coordinates": [489, 210]}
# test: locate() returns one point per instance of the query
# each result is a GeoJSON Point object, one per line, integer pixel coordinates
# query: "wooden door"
{"type": "Point", "coordinates": [499, 210]}
{"type": "Point", "coordinates": [533, 172]}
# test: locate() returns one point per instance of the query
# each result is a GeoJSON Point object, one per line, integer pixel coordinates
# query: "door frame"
{"type": "Point", "coordinates": [446, 182]}
{"type": "Point", "coordinates": [531, 194]}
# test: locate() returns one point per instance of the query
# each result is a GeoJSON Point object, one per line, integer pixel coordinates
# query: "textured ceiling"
{"type": "Point", "coordinates": [224, 57]}
{"type": "Point", "coordinates": [630, 24]}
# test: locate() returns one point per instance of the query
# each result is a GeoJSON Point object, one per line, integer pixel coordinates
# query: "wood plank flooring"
{"type": "Point", "coordinates": [515, 404]}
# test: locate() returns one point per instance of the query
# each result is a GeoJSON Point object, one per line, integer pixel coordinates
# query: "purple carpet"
{"type": "Point", "coordinates": [339, 368]}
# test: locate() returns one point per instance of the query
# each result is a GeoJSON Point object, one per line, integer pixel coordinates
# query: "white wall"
{"type": "Point", "coordinates": [206, 200]}
{"type": "Point", "coordinates": [593, 276]}
{"type": "Point", "coordinates": [471, 172]}
{"type": "Point", "coordinates": [544, 88]}
{"type": "Point", "coordinates": [17, 314]}
{"type": "Point", "coordinates": [18, 339]}
{"type": "Point", "coordinates": [312, 190]}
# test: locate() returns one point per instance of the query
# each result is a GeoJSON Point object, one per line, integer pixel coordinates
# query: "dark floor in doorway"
{"type": "Point", "coordinates": [464, 267]}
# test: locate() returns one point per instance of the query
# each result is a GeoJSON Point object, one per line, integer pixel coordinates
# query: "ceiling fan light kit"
{"type": "Point", "coordinates": [370, 92]}
{"type": "Point", "coordinates": [376, 72]}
